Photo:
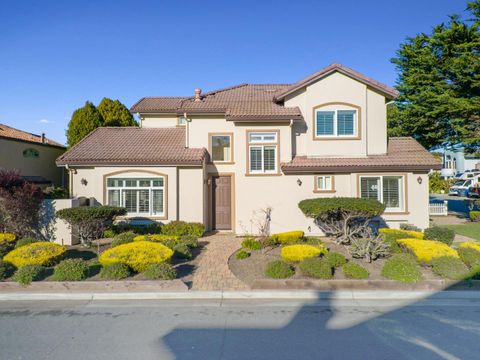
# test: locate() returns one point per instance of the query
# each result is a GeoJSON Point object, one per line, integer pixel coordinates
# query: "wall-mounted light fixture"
{"type": "Point", "coordinates": [299, 182]}
{"type": "Point", "coordinates": [84, 182]}
{"type": "Point", "coordinates": [419, 180]}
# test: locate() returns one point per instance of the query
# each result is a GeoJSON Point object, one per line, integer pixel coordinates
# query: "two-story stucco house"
{"type": "Point", "coordinates": [221, 157]}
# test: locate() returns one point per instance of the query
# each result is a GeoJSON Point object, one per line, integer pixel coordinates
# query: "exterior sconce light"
{"type": "Point", "coordinates": [84, 182]}
{"type": "Point", "coordinates": [419, 180]}
{"type": "Point", "coordinates": [299, 182]}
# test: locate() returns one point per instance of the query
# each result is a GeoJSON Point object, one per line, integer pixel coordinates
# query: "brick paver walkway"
{"type": "Point", "coordinates": [212, 272]}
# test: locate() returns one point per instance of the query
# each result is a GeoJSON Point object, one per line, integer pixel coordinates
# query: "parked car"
{"type": "Point", "coordinates": [468, 174]}
{"type": "Point", "coordinates": [461, 187]}
{"type": "Point", "coordinates": [474, 191]}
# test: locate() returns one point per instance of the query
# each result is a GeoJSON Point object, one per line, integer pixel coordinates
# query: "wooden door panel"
{"type": "Point", "coordinates": [222, 202]}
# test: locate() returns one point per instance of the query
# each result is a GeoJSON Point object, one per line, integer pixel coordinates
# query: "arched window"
{"type": "Point", "coordinates": [31, 153]}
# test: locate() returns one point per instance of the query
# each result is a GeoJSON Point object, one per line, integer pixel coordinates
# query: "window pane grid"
{"type": "Point", "coordinates": [324, 183]}
{"type": "Point", "coordinates": [386, 189]}
{"type": "Point", "coordinates": [335, 123]}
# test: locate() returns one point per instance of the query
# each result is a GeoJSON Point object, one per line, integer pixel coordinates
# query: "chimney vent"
{"type": "Point", "coordinates": [198, 92]}
{"type": "Point", "coordinates": [43, 138]}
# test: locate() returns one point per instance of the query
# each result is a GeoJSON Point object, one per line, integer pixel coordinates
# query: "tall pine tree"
{"type": "Point", "coordinates": [84, 120]}
{"type": "Point", "coordinates": [114, 113]}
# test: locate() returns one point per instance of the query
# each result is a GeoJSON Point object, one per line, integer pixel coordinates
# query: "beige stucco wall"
{"type": "Point", "coordinates": [191, 194]}
{"type": "Point", "coordinates": [11, 157]}
{"type": "Point", "coordinates": [158, 120]}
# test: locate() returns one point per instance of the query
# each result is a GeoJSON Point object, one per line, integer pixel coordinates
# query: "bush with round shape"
{"type": "Point", "coordinates": [426, 250]}
{"type": "Point", "coordinates": [5, 270]}
{"type": "Point", "coordinates": [25, 241]}
{"type": "Point", "coordinates": [137, 255]}
{"type": "Point", "coordinates": [39, 253]}
{"type": "Point", "coordinates": [181, 228]}
{"type": "Point", "coordinates": [115, 271]}
{"type": "Point", "coordinates": [289, 237]}
{"type": "Point", "coordinates": [354, 271]}
{"type": "Point", "coordinates": [242, 254]}
{"type": "Point", "coordinates": [161, 238]}
{"type": "Point", "coordinates": [335, 259]}
{"type": "Point", "coordinates": [449, 268]}
{"type": "Point", "coordinates": [71, 270]}
{"type": "Point", "coordinates": [470, 244]}
{"type": "Point", "coordinates": [7, 243]}
{"type": "Point", "coordinates": [251, 244]}
{"type": "Point", "coordinates": [279, 269]}
{"type": "Point", "coordinates": [189, 240]}
{"type": "Point", "coordinates": [26, 274]}
{"type": "Point", "coordinates": [403, 268]}
{"type": "Point", "coordinates": [442, 234]}
{"type": "Point", "coordinates": [109, 233]}
{"type": "Point", "coordinates": [392, 235]}
{"type": "Point", "coordinates": [474, 215]}
{"type": "Point", "coordinates": [123, 238]}
{"type": "Point", "coordinates": [7, 237]}
{"type": "Point", "coordinates": [160, 271]}
{"type": "Point", "coordinates": [300, 252]}
{"type": "Point", "coordinates": [469, 256]}
{"type": "Point", "coordinates": [317, 268]}
{"type": "Point", "coordinates": [182, 251]}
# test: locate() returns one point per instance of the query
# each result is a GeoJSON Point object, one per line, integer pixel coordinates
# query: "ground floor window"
{"type": "Point", "coordinates": [389, 190]}
{"type": "Point", "coordinates": [323, 183]}
{"type": "Point", "coordinates": [140, 196]}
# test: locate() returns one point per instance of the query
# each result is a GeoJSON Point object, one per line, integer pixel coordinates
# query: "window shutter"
{"type": "Point", "coordinates": [345, 122]}
{"type": "Point", "coordinates": [325, 123]}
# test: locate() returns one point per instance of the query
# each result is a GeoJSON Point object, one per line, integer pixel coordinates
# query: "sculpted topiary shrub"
{"type": "Point", "coordinates": [137, 255]}
{"type": "Point", "coordinates": [39, 253]}
{"type": "Point", "coordinates": [342, 218]}
{"type": "Point", "coordinates": [299, 252]}
{"type": "Point", "coordinates": [123, 238]}
{"type": "Point", "coordinates": [289, 237]}
{"type": "Point", "coordinates": [161, 271]}
{"type": "Point", "coordinates": [392, 235]}
{"type": "Point", "coordinates": [426, 250]}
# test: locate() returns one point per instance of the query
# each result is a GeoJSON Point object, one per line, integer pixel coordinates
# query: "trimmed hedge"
{"type": "Point", "coordinates": [123, 238]}
{"type": "Point", "coordinates": [71, 270]}
{"type": "Point", "coordinates": [449, 268]}
{"type": "Point", "coordinates": [300, 252]}
{"type": "Point", "coordinates": [39, 253]}
{"type": "Point", "coordinates": [251, 244]}
{"type": "Point", "coordinates": [26, 274]}
{"type": "Point", "coordinates": [323, 206]}
{"type": "Point", "coordinates": [474, 215]}
{"type": "Point", "coordinates": [426, 250]}
{"type": "Point", "coordinates": [115, 271]}
{"type": "Point", "coordinates": [402, 268]}
{"type": "Point", "coordinates": [161, 271]}
{"type": "Point", "coordinates": [279, 269]}
{"type": "Point", "coordinates": [317, 268]}
{"type": "Point", "coordinates": [354, 271]}
{"type": "Point", "coordinates": [335, 259]}
{"type": "Point", "coordinates": [442, 234]}
{"type": "Point", "coordinates": [181, 228]}
{"type": "Point", "coordinates": [289, 237]}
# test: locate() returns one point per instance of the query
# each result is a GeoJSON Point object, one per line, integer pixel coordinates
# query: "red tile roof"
{"type": "Point", "coordinates": [15, 134]}
{"type": "Point", "coordinates": [403, 154]}
{"type": "Point", "coordinates": [133, 146]}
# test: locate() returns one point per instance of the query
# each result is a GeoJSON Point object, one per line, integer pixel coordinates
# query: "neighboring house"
{"type": "Point", "coordinates": [455, 161]}
{"type": "Point", "coordinates": [32, 155]}
{"type": "Point", "coordinates": [222, 157]}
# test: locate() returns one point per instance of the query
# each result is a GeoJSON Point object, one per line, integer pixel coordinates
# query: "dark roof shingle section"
{"type": "Point", "coordinates": [15, 134]}
{"type": "Point", "coordinates": [403, 154]}
{"type": "Point", "coordinates": [133, 146]}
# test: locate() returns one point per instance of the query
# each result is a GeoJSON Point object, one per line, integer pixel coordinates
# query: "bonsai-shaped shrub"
{"type": "Point", "coordinates": [470, 244]}
{"type": "Point", "coordinates": [392, 235]}
{"type": "Point", "coordinates": [354, 271]}
{"type": "Point", "coordinates": [160, 271]}
{"type": "Point", "coordinates": [71, 270]}
{"type": "Point", "coordinates": [426, 250]}
{"type": "Point", "coordinates": [335, 259]}
{"type": "Point", "coordinates": [402, 268]}
{"type": "Point", "coordinates": [279, 269]}
{"type": "Point", "coordinates": [156, 238]}
{"type": "Point", "coordinates": [242, 254]}
{"type": "Point", "coordinates": [39, 253]}
{"type": "Point", "coordinates": [441, 234]}
{"type": "Point", "coordinates": [7, 243]}
{"type": "Point", "coordinates": [137, 255]}
{"type": "Point", "coordinates": [450, 268]}
{"type": "Point", "coordinates": [26, 274]}
{"type": "Point", "coordinates": [290, 237]}
{"type": "Point", "coordinates": [469, 256]}
{"type": "Point", "coordinates": [369, 248]}
{"type": "Point", "coordinates": [123, 238]}
{"type": "Point", "coordinates": [90, 221]}
{"type": "Point", "coordinates": [251, 244]}
{"type": "Point", "coordinates": [317, 268]}
{"type": "Point", "coordinates": [341, 217]}
{"type": "Point", "coordinates": [115, 271]}
{"type": "Point", "coordinates": [474, 215]}
{"type": "Point", "coordinates": [181, 228]}
{"type": "Point", "coordinates": [299, 252]}
{"type": "Point", "coordinates": [25, 241]}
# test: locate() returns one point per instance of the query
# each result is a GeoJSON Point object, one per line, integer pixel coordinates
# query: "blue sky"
{"type": "Point", "coordinates": [55, 55]}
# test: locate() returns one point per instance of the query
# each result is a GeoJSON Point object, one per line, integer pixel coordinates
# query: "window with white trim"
{"type": "Point", "coordinates": [181, 121]}
{"type": "Point", "coordinates": [389, 190]}
{"type": "Point", "coordinates": [262, 152]}
{"type": "Point", "coordinates": [324, 183]}
{"type": "Point", "coordinates": [336, 123]}
{"type": "Point", "coordinates": [140, 196]}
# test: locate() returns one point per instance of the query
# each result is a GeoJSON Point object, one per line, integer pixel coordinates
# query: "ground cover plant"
{"type": "Point", "coordinates": [116, 271]}
{"type": "Point", "coordinates": [335, 259]}
{"type": "Point", "coordinates": [279, 269]}
{"type": "Point", "coordinates": [317, 268]}
{"type": "Point", "coordinates": [299, 252]}
{"type": "Point", "coordinates": [426, 250]}
{"type": "Point", "coordinates": [289, 237]}
{"type": "Point", "coordinates": [354, 271]}
{"type": "Point", "coordinates": [392, 235]}
{"type": "Point", "coordinates": [471, 229]}
{"type": "Point", "coordinates": [450, 268]}
{"type": "Point", "coordinates": [469, 256]}
{"type": "Point", "coordinates": [71, 270]}
{"type": "Point", "coordinates": [181, 228]}
{"type": "Point", "coordinates": [160, 271]}
{"type": "Point", "coordinates": [242, 254]}
{"type": "Point", "coordinates": [251, 244]}
{"type": "Point", "coordinates": [39, 253]}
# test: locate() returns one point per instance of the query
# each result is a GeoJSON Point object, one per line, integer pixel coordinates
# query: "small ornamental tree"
{"type": "Point", "coordinates": [20, 205]}
{"type": "Point", "coordinates": [343, 218]}
{"type": "Point", "coordinates": [89, 222]}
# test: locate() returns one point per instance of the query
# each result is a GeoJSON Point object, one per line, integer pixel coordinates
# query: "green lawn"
{"type": "Point", "coordinates": [471, 230]}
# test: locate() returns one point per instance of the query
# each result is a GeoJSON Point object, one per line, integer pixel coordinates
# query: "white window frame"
{"type": "Point", "coordinates": [324, 189]}
{"type": "Point", "coordinates": [182, 121]}
{"type": "Point", "coordinates": [403, 195]}
{"type": "Point", "coordinates": [150, 194]}
{"type": "Point", "coordinates": [262, 140]}
{"type": "Point", "coordinates": [335, 123]}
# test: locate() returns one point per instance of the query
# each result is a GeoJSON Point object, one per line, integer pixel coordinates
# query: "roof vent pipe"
{"type": "Point", "coordinates": [198, 92]}
{"type": "Point", "coordinates": [43, 138]}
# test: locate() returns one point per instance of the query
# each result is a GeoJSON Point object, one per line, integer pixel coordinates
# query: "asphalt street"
{"type": "Point", "coordinates": [240, 329]}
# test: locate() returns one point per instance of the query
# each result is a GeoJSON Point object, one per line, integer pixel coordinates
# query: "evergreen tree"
{"type": "Point", "coordinates": [84, 120]}
{"type": "Point", "coordinates": [114, 113]}
{"type": "Point", "coordinates": [439, 83]}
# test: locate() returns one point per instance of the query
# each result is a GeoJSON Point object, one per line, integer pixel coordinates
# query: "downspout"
{"type": "Point", "coordinates": [187, 130]}
{"type": "Point", "coordinates": [70, 182]}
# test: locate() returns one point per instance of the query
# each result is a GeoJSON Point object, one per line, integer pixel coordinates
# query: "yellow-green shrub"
{"type": "Point", "coordinates": [137, 255]}
{"type": "Point", "coordinates": [299, 252]}
{"type": "Point", "coordinates": [156, 238]}
{"type": "Point", "coordinates": [7, 237]}
{"type": "Point", "coordinates": [401, 234]}
{"type": "Point", "coordinates": [426, 250]}
{"type": "Point", "coordinates": [288, 237]}
{"type": "Point", "coordinates": [470, 244]}
{"type": "Point", "coordinates": [39, 253]}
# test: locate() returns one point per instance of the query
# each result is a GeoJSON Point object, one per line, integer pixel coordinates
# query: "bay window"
{"type": "Point", "coordinates": [389, 190]}
{"type": "Point", "coordinates": [140, 196]}
{"type": "Point", "coordinates": [262, 152]}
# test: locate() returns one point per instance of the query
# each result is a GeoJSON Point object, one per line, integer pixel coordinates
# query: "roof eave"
{"type": "Point", "coordinates": [294, 169]}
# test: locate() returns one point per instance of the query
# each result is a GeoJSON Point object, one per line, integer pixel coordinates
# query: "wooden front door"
{"type": "Point", "coordinates": [222, 202]}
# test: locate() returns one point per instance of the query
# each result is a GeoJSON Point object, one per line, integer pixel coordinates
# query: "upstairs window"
{"type": "Point", "coordinates": [335, 123]}
{"type": "Point", "coordinates": [221, 147]}
{"type": "Point", "coordinates": [31, 153]}
{"type": "Point", "coordinates": [263, 152]}
{"type": "Point", "coordinates": [182, 121]}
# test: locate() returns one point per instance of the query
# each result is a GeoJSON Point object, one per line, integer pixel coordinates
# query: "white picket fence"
{"type": "Point", "coordinates": [439, 208]}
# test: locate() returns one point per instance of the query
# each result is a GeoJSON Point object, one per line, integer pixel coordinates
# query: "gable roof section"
{"type": "Point", "coordinates": [8, 132]}
{"type": "Point", "coordinates": [403, 154]}
{"type": "Point", "coordinates": [387, 91]}
{"type": "Point", "coordinates": [133, 146]}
